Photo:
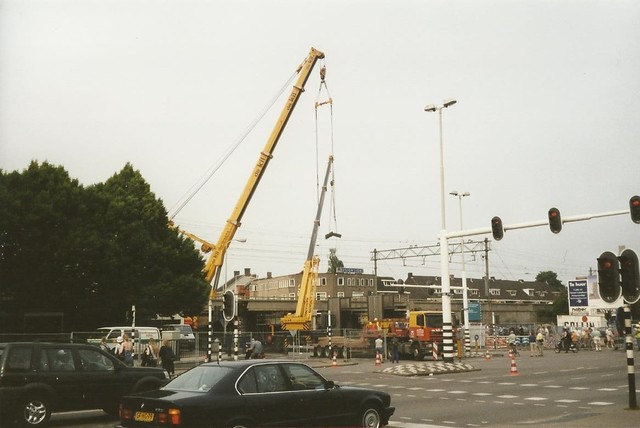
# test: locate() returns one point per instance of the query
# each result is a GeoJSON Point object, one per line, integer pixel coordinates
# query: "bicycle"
{"type": "Point", "coordinates": [514, 349]}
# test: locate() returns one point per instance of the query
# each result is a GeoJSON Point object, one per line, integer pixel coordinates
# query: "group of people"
{"type": "Point", "coordinates": [125, 351]}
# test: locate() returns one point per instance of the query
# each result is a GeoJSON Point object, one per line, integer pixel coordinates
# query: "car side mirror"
{"type": "Point", "coordinates": [330, 384]}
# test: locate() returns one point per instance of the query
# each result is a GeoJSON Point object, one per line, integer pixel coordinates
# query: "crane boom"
{"type": "Point", "coordinates": [301, 319]}
{"type": "Point", "coordinates": [216, 257]}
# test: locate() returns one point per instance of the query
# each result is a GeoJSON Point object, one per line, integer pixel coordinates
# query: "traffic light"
{"type": "Point", "coordinates": [608, 277]}
{"type": "Point", "coordinates": [555, 221]}
{"type": "Point", "coordinates": [630, 276]}
{"type": "Point", "coordinates": [228, 305]}
{"type": "Point", "coordinates": [634, 208]}
{"type": "Point", "coordinates": [496, 228]}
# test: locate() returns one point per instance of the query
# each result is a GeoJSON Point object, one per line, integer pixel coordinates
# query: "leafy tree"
{"type": "Point", "coordinates": [560, 304]}
{"type": "Point", "coordinates": [93, 252]}
{"type": "Point", "coordinates": [334, 261]}
{"type": "Point", "coordinates": [551, 278]}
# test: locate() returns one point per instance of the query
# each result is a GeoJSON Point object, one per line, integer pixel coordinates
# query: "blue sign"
{"type": "Point", "coordinates": [475, 311]}
{"type": "Point", "coordinates": [578, 294]}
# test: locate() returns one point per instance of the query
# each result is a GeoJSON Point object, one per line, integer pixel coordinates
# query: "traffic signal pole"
{"type": "Point", "coordinates": [631, 374]}
{"type": "Point", "coordinates": [447, 331]}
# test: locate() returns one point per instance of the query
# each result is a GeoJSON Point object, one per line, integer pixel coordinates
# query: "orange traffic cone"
{"type": "Point", "coordinates": [487, 355]}
{"type": "Point", "coordinates": [514, 369]}
{"type": "Point", "coordinates": [378, 360]}
{"type": "Point", "coordinates": [510, 355]}
{"type": "Point", "coordinates": [334, 363]}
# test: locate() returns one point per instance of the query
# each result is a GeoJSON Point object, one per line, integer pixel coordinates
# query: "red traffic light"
{"type": "Point", "coordinates": [496, 228]}
{"type": "Point", "coordinates": [634, 209]}
{"type": "Point", "coordinates": [609, 277]}
{"type": "Point", "coordinates": [555, 220]}
{"type": "Point", "coordinates": [630, 276]}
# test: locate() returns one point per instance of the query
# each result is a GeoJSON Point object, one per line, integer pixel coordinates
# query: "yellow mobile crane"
{"type": "Point", "coordinates": [215, 260]}
{"type": "Point", "coordinates": [301, 319]}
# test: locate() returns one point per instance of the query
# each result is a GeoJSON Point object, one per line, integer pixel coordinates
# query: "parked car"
{"type": "Point", "coordinates": [255, 393]}
{"type": "Point", "coordinates": [38, 378]}
{"type": "Point", "coordinates": [185, 337]}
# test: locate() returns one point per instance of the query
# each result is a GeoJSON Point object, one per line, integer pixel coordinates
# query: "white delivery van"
{"type": "Point", "coordinates": [184, 335]}
{"type": "Point", "coordinates": [139, 336]}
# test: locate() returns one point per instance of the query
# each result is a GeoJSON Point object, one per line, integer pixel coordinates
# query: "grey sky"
{"type": "Point", "coordinates": [547, 115]}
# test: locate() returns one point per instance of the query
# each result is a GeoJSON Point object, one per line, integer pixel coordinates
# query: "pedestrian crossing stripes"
{"type": "Point", "coordinates": [428, 368]}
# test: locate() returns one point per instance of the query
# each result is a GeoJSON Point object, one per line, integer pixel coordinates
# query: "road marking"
{"type": "Point", "coordinates": [608, 389]}
{"type": "Point", "coordinates": [482, 393]}
{"type": "Point", "coordinates": [457, 392]}
{"type": "Point", "coordinates": [507, 383]}
{"type": "Point", "coordinates": [529, 384]}
{"type": "Point", "coordinates": [536, 398]}
{"type": "Point", "coordinates": [508, 396]}
{"type": "Point", "coordinates": [553, 386]}
{"type": "Point", "coordinates": [567, 400]}
{"type": "Point", "coordinates": [579, 388]}
{"type": "Point", "coordinates": [600, 403]}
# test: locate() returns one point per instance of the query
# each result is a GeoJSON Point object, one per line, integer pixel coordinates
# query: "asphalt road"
{"type": "Point", "coordinates": [587, 389]}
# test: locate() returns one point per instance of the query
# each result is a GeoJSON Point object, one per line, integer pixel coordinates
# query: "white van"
{"type": "Point", "coordinates": [139, 336]}
{"type": "Point", "coordinates": [184, 335]}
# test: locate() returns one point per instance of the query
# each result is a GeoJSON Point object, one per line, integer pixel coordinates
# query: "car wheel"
{"type": "Point", "coordinates": [370, 418]}
{"type": "Point", "coordinates": [36, 411]}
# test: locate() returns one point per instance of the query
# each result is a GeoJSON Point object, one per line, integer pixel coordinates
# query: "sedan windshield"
{"type": "Point", "coordinates": [198, 379]}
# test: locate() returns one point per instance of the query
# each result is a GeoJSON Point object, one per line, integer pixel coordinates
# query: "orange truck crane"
{"type": "Point", "coordinates": [417, 335]}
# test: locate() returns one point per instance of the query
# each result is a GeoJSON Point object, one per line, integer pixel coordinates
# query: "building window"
{"type": "Point", "coordinates": [323, 281]}
{"type": "Point", "coordinates": [340, 293]}
{"type": "Point", "coordinates": [292, 282]}
{"type": "Point", "coordinates": [371, 283]}
{"type": "Point", "coordinates": [340, 281]}
{"type": "Point", "coordinates": [292, 296]}
{"type": "Point", "coordinates": [473, 292]}
{"type": "Point", "coordinates": [362, 282]}
{"type": "Point", "coordinates": [321, 296]}
{"type": "Point", "coordinates": [494, 291]}
{"type": "Point", "coordinates": [512, 293]}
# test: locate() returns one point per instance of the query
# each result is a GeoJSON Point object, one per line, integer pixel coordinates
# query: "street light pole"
{"type": "Point", "coordinates": [447, 331]}
{"type": "Point", "coordinates": [465, 292]}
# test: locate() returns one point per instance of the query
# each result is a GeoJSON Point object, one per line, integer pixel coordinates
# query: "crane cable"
{"type": "Point", "coordinates": [332, 203]}
{"type": "Point", "coordinates": [195, 188]}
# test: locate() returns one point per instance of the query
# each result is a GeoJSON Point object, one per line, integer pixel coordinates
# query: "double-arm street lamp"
{"type": "Point", "coordinates": [447, 331]}
{"type": "Point", "coordinates": [465, 293]}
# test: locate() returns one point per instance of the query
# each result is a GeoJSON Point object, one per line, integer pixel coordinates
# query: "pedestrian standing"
{"type": "Point", "coordinates": [394, 350]}
{"type": "Point", "coordinates": [597, 340]}
{"type": "Point", "coordinates": [540, 343]}
{"type": "Point", "coordinates": [126, 350]}
{"type": "Point", "coordinates": [167, 357]}
{"type": "Point", "coordinates": [532, 343]}
{"type": "Point", "coordinates": [150, 354]}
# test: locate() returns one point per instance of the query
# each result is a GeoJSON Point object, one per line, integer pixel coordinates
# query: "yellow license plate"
{"type": "Point", "coordinates": [144, 417]}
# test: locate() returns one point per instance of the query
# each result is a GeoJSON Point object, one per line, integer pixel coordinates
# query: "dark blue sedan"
{"type": "Point", "coordinates": [243, 394]}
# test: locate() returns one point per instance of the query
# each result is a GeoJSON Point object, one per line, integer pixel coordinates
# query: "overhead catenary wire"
{"type": "Point", "coordinates": [204, 179]}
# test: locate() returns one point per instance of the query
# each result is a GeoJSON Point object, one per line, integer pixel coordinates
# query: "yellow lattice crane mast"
{"type": "Point", "coordinates": [301, 319]}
